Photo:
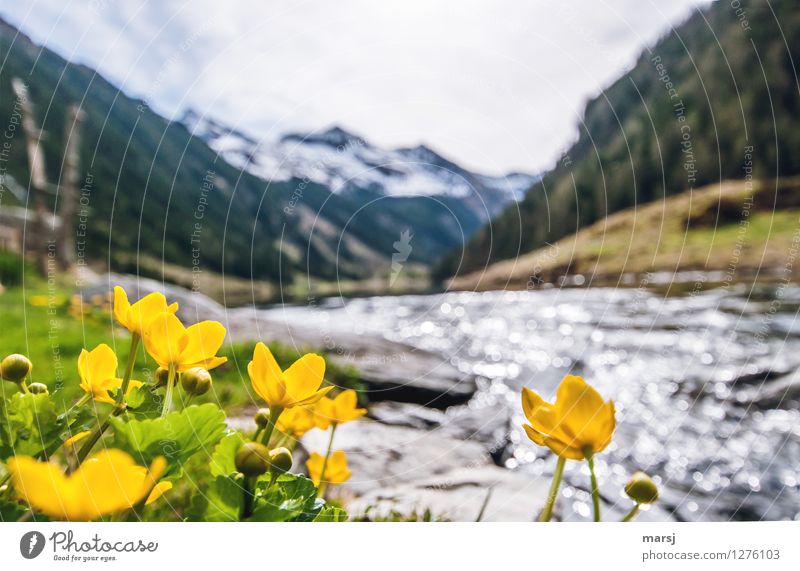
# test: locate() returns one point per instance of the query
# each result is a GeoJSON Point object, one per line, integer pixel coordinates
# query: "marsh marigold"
{"type": "Point", "coordinates": [135, 318]}
{"type": "Point", "coordinates": [336, 470]}
{"type": "Point", "coordinates": [338, 410]}
{"type": "Point", "coordinates": [106, 483]}
{"type": "Point", "coordinates": [296, 421]}
{"type": "Point", "coordinates": [170, 343]}
{"type": "Point", "coordinates": [579, 423]}
{"type": "Point", "coordinates": [97, 370]}
{"type": "Point", "coordinates": [299, 385]}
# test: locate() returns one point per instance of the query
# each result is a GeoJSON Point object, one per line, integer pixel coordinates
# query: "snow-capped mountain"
{"type": "Point", "coordinates": [347, 164]}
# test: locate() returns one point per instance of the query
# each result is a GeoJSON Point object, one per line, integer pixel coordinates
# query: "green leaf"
{"type": "Point", "coordinates": [223, 461]}
{"type": "Point", "coordinates": [292, 498]}
{"type": "Point", "coordinates": [177, 437]}
{"type": "Point", "coordinates": [331, 513]}
{"type": "Point", "coordinates": [143, 403]}
{"type": "Point", "coordinates": [29, 424]}
{"type": "Point", "coordinates": [11, 511]}
{"type": "Point", "coordinates": [222, 501]}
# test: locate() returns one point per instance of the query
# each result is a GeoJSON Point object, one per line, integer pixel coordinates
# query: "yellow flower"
{"type": "Point", "coordinates": [98, 372]}
{"type": "Point", "coordinates": [170, 343]}
{"type": "Point", "coordinates": [75, 438]}
{"type": "Point", "coordinates": [338, 410]}
{"type": "Point", "coordinates": [105, 483]}
{"type": "Point", "coordinates": [135, 318]}
{"type": "Point", "coordinates": [296, 421]}
{"type": "Point", "coordinates": [39, 300]}
{"type": "Point", "coordinates": [299, 385]}
{"type": "Point", "coordinates": [579, 421]}
{"type": "Point", "coordinates": [336, 470]}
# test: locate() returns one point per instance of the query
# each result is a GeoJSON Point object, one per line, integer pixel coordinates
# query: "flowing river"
{"type": "Point", "coordinates": [706, 383]}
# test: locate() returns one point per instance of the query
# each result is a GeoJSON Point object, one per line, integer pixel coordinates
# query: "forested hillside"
{"type": "Point", "coordinates": [717, 98]}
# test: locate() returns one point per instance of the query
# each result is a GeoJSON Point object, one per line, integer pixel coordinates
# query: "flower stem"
{"type": "Point", "coordinates": [126, 379]}
{"type": "Point", "coordinates": [275, 412]}
{"type": "Point", "coordinates": [168, 393]}
{"type": "Point", "coordinates": [632, 514]}
{"type": "Point", "coordinates": [119, 407]}
{"type": "Point", "coordinates": [249, 497]}
{"type": "Point", "coordinates": [595, 491]}
{"type": "Point", "coordinates": [547, 512]}
{"type": "Point", "coordinates": [325, 461]}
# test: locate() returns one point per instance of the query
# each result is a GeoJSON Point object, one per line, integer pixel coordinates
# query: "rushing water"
{"type": "Point", "coordinates": [695, 379]}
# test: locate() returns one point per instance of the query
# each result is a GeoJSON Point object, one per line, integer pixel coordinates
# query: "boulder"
{"type": "Point", "coordinates": [460, 494]}
{"type": "Point", "coordinates": [382, 456]}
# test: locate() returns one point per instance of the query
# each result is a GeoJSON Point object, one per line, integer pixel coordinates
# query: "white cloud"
{"type": "Point", "coordinates": [496, 85]}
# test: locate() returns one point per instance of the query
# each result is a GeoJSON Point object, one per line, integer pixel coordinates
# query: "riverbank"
{"type": "Point", "coordinates": [732, 232]}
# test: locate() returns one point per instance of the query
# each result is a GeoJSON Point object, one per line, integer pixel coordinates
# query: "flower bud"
{"type": "Point", "coordinates": [280, 460]}
{"type": "Point", "coordinates": [38, 388]}
{"type": "Point", "coordinates": [196, 381]}
{"type": "Point", "coordinates": [162, 376]}
{"type": "Point", "coordinates": [262, 417]}
{"type": "Point", "coordinates": [252, 459]}
{"type": "Point", "coordinates": [642, 489]}
{"type": "Point", "coordinates": [15, 368]}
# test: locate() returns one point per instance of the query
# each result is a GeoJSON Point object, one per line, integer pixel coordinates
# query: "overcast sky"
{"type": "Point", "coordinates": [497, 85]}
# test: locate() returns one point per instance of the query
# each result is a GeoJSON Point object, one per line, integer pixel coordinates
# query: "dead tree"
{"type": "Point", "coordinates": [68, 189]}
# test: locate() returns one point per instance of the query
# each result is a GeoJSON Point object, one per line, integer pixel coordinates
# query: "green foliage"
{"type": "Point", "coordinates": [10, 510]}
{"type": "Point", "coordinates": [12, 269]}
{"type": "Point", "coordinates": [292, 498]}
{"type": "Point", "coordinates": [738, 89]}
{"type": "Point", "coordinates": [144, 403]}
{"type": "Point", "coordinates": [176, 437]}
{"type": "Point", "coordinates": [221, 501]}
{"type": "Point", "coordinates": [222, 461]}
{"type": "Point", "coordinates": [30, 425]}
{"type": "Point", "coordinates": [331, 513]}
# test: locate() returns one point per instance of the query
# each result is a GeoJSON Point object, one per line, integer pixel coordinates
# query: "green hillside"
{"type": "Point", "coordinates": [731, 231]}
{"type": "Point", "coordinates": [714, 98]}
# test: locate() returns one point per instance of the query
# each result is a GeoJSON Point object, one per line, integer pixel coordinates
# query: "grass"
{"type": "Point", "coordinates": [37, 323]}
{"type": "Point", "coordinates": [728, 227]}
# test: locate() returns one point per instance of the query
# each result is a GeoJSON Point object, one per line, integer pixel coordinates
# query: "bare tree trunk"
{"type": "Point", "coordinates": [65, 245]}
{"type": "Point", "coordinates": [35, 233]}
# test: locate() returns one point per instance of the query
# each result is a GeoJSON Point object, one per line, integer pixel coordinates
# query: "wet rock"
{"type": "Point", "coordinates": [459, 495]}
{"type": "Point", "coordinates": [783, 392]}
{"type": "Point", "coordinates": [382, 456]}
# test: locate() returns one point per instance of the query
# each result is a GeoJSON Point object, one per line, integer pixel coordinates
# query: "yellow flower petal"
{"type": "Point", "coordinates": [580, 419]}
{"type": "Point", "coordinates": [203, 341]}
{"type": "Point", "coordinates": [107, 482]}
{"type": "Point", "coordinates": [266, 376]}
{"type": "Point", "coordinates": [165, 339]}
{"type": "Point", "coordinates": [121, 307]}
{"type": "Point", "coordinates": [158, 491]}
{"type": "Point", "coordinates": [305, 376]}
